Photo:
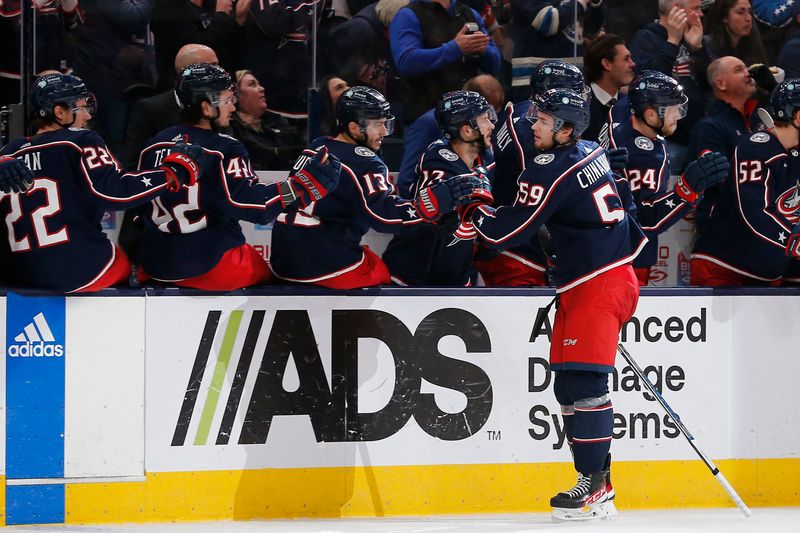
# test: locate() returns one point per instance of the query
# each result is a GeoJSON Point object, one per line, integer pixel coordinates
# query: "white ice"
{"type": "Point", "coordinates": [767, 520]}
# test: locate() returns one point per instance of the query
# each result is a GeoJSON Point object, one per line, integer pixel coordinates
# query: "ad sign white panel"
{"type": "Point", "coordinates": [3, 381]}
{"type": "Point", "coordinates": [281, 382]}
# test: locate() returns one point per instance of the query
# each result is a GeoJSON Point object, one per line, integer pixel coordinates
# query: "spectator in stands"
{"type": "Point", "coordinates": [266, 136]}
{"type": "Point", "coordinates": [730, 32]}
{"type": "Point", "coordinates": [425, 130]}
{"type": "Point", "coordinates": [789, 56]}
{"type": "Point", "coordinates": [153, 114]}
{"type": "Point", "coordinates": [626, 17]}
{"type": "Point", "coordinates": [216, 23]}
{"type": "Point", "coordinates": [330, 88]}
{"type": "Point", "coordinates": [608, 67]}
{"type": "Point", "coordinates": [114, 57]}
{"type": "Point", "coordinates": [547, 29]}
{"type": "Point", "coordinates": [436, 50]}
{"type": "Point", "coordinates": [359, 48]}
{"type": "Point", "coordinates": [731, 118]}
{"type": "Point", "coordinates": [673, 45]}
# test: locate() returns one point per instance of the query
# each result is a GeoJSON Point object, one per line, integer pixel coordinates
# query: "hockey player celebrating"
{"type": "Point", "coordinates": [424, 255]}
{"type": "Point", "coordinates": [569, 185]}
{"type": "Point", "coordinates": [753, 235]}
{"type": "Point", "coordinates": [321, 243]}
{"type": "Point", "coordinates": [657, 103]}
{"type": "Point", "coordinates": [192, 236]}
{"type": "Point", "coordinates": [54, 239]}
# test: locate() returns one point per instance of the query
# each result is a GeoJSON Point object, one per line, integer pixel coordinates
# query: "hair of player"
{"type": "Point", "coordinates": [602, 47]}
{"type": "Point", "coordinates": [193, 114]}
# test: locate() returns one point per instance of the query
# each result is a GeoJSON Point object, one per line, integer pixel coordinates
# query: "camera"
{"type": "Point", "coordinates": [472, 27]}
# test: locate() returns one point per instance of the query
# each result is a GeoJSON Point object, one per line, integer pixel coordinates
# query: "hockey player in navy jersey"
{"type": "Point", "coordinates": [512, 143]}
{"type": "Point", "coordinates": [753, 235]}
{"type": "Point", "coordinates": [192, 236]}
{"type": "Point", "coordinates": [321, 243]}
{"type": "Point", "coordinates": [425, 255]}
{"type": "Point", "coordinates": [53, 234]}
{"type": "Point", "coordinates": [569, 186]}
{"type": "Point", "coordinates": [657, 102]}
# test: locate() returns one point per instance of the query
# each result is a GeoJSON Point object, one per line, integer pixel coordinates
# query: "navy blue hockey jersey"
{"type": "Point", "coordinates": [187, 232]}
{"type": "Point", "coordinates": [323, 240]}
{"type": "Point", "coordinates": [572, 190]}
{"type": "Point", "coordinates": [646, 178]}
{"type": "Point", "coordinates": [754, 215]}
{"type": "Point", "coordinates": [418, 255]}
{"type": "Point", "coordinates": [53, 234]}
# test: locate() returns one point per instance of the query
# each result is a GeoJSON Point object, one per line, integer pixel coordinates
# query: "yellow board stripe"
{"type": "Point", "coordinates": [418, 490]}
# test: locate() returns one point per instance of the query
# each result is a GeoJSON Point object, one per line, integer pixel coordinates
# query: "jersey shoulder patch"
{"type": "Point", "coordinates": [544, 159]}
{"type": "Point", "coordinates": [448, 154]}
{"type": "Point", "coordinates": [363, 151]}
{"type": "Point", "coordinates": [643, 143]}
{"type": "Point", "coordinates": [759, 137]}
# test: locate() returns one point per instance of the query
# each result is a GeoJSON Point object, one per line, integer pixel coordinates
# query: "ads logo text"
{"type": "Point", "coordinates": [333, 405]}
{"type": "Point", "coordinates": [36, 340]}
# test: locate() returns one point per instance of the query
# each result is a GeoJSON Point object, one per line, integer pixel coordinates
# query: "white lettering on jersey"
{"type": "Point", "coordinates": [593, 171]}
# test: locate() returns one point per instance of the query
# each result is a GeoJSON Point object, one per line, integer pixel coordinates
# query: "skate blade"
{"type": "Point", "coordinates": [601, 511]}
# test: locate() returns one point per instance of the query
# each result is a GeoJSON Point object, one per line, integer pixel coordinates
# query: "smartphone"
{"type": "Point", "coordinates": [472, 27]}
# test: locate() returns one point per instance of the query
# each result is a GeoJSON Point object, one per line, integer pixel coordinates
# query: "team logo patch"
{"type": "Point", "coordinates": [543, 159]}
{"type": "Point", "coordinates": [643, 143]}
{"type": "Point", "coordinates": [448, 155]}
{"type": "Point", "coordinates": [759, 137]}
{"type": "Point", "coordinates": [364, 152]}
{"type": "Point", "coordinates": [788, 204]}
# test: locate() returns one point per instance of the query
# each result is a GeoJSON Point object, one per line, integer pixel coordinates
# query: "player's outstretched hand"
{"type": "Point", "coordinates": [15, 176]}
{"type": "Point", "coordinates": [708, 170]}
{"type": "Point", "coordinates": [183, 165]}
{"type": "Point", "coordinates": [793, 244]}
{"type": "Point", "coordinates": [317, 177]}
{"type": "Point", "coordinates": [617, 158]}
{"type": "Point", "coordinates": [445, 196]}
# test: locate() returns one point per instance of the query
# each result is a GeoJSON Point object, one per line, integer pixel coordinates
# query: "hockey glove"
{"type": "Point", "coordinates": [707, 170]}
{"type": "Point", "coordinates": [15, 176]}
{"type": "Point", "coordinates": [183, 165]}
{"type": "Point", "coordinates": [316, 178]}
{"type": "Point", "coordinates": [617, 158]}
{"type": "Point", "coordinates": [434, 201]}
{"type": "Point", "coordinates": [793, 244]}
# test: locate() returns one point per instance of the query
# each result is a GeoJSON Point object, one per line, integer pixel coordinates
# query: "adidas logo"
{"type": "Point", "coordinates": [36, 340]}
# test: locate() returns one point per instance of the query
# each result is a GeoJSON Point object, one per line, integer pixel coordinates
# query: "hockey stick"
{"type": "Point", "coordinates": [766, 118]}
{"type": "Point", "coordinates": [677, 420]}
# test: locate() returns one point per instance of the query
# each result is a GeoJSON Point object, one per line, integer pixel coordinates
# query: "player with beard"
{"type": "Point", "coordinates": [320, 244]}
{"type": "Point", "coordinates": [657, 103]}
{"type": "Point", "coordinates": [442, 255]}
{"type": "Point", "coordinates": [192, 236]}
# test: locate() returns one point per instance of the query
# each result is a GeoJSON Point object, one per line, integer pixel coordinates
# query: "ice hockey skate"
{"type": "Point", "coordinates": [591, 498]}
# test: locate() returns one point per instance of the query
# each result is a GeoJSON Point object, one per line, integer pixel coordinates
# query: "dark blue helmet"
{"type": "Point", "coordinates": [565, 105]}
{"type": "Point", "coordinates": [52, 89]}
{"type": "Point", "coordinates": [201, 81]}
{"type": "Point", "coordinates": [652, 89]}
{"type": "Point", "coordinates": [785, 99]}
{"type": "Point", "coordinates": [461, 107]}
{"type": "Point", "coordinates": [360, 104]}
{"type": "Point", "coordinates": [557, 74]}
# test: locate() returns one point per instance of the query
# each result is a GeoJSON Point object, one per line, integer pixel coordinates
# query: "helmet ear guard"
{"type": "Point", "coordinates": [785, 100]}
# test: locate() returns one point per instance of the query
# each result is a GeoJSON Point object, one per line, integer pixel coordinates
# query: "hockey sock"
{"type": "Point", "coordinates": [568, 416]}
{"type": "Point", "coordinates": [593, 423]}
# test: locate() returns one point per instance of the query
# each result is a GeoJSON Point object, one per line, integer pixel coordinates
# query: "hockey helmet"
{"type": "Point", "coordinates": [461, 107]}
{"type": "Point", "coordinates": [557, 74]}
{"type": "Point", "coordinates": [785, 99]}
{"type": "Point", "coordinates": [653, 89]}
{"type": "Point", "coordinates": [566, 107]}
{"type": "Point", "coordinates": [361, 104]}
{"type": "Point", "coordinates": [201, 81]}
{"type": "Point", "coordinates": [52, 89]}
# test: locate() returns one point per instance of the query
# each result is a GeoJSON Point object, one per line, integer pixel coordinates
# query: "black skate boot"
{"type": "Point", "coordinates": [591, 498]}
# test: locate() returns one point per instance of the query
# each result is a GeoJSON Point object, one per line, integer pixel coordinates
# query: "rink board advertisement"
{"type": "Point", "coordinates": [291, 382]}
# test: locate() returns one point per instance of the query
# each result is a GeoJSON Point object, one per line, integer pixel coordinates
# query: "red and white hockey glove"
{"type": "Point", "coordinates": [481, 195]}
{"type": "Point", "coordinates": [793, 244]}
{"type": "Point", "coordinates": [708, 170]}
{"type": "Point", "coordinates": [318, 174]}
{"type": "Point", "coordinates": [183, 165]}
{"type": "Point", "coordinates": [445, 196]}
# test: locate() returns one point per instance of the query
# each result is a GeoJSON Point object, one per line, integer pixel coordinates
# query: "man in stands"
{"type": "Point", "coordinates": [320, 244]}
{"type": "Point", "coordinates": [753, 234]}
{"type": "Point", "coordinates": [192, 236]}
{"type": "Point", "coordinates": [425, 255]}
{"type": "Point", "coordinates": [53, 238]}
